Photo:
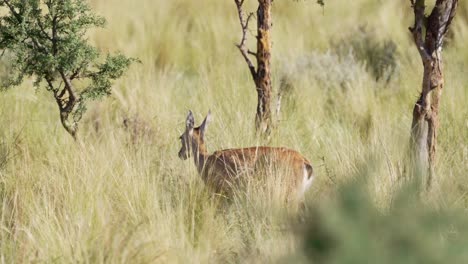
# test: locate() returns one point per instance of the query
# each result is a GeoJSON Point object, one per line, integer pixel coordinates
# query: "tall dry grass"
{"type": "Point", "coordinates": [124, 196]}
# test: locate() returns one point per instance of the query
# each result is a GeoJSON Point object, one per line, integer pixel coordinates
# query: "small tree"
{"type": "Point", "coordinates": [45, 39]}
{"type": "Point", "coordinates": [261, 75]}
{"type": "Point", "coordinates": [428, 34]}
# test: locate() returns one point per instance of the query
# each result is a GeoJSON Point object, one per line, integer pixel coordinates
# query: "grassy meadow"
{"type": "Point", "coordinates": [349, 75]}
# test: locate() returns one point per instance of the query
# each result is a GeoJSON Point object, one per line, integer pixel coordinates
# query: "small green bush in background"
{"type": "Point", "coordinates": [334, 74]}
{"type": "Point", "coordinates": [329, 70]}
{"type": "Point", "coordinates": [379, 56]}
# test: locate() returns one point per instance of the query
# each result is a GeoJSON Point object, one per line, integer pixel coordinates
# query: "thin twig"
{"type": "Point", "coordinates": [252, 53]}
{"type": "Point", "coordinates": [241, 46]}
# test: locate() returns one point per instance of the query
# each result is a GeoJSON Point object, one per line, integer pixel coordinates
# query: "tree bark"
{"type": "Point", "coordinates": [66, 100]}
{"type": "Point", "coordinates": [263, 119]}
{"type": "Point", "coordinates": [262, 74]}
{"type": "Point", "coordinates": [426, 119]}
{"type": "Point", "coordinates": [426, 110]}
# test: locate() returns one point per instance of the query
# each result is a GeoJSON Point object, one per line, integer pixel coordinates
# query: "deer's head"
{"type": "Point", "coordinates": [193, 139]}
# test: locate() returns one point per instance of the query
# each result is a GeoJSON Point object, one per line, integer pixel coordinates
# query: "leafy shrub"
{"type": "Point", "coordinates": [46, 41]}
{"type": "Point", "coordinates": [351, 229]}
{"type": "Point", "coordinates": [328, 70]}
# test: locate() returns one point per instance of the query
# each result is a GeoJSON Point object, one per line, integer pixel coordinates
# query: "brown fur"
{"type": "Point", "coordinates": [228, 168]}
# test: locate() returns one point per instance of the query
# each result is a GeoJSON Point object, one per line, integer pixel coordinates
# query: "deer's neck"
{"type": "Point", "coordinates": [200, 155]}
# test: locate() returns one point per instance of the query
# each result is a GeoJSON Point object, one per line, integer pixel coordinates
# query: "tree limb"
{"type": "Point", "coordinates": [68, 86]}
{"type": "Point", "coordinates": [417, 30]}
{"type": "Point", "coordinates": [12, 10]}
{"type": "Point", "coordinates": [54, 35]}
{"type": "Point", "coordinates": [440, 19]}
{"type": "Point", "coordinates": [41, 27]}
{"type": "Point", "coordinates": [252, 53]}
{"type": "Point", "coordinates": [68, 106]}
{"type": "Point", "coordinates": [75, 75]}
{"type": "Point", "coordinates": [241, 46]}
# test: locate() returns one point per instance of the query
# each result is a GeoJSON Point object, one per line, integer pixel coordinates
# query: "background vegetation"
{"type": "Point", "coordinates": [349, 74]}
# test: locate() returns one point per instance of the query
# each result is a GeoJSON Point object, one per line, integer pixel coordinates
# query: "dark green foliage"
{"type": "Point", "coordinates": [352, 230]}
{"type": "Point", "coordinates": [45, 39]}
{"type": "Point", "coordinates": [380, 57]}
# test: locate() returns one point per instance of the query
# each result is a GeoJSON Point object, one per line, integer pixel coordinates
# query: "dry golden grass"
{"type": "Point", "coordinates": [115, 199]}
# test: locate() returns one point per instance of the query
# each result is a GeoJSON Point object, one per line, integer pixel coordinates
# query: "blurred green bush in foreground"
{"type": "Point", "coordinates": [351, 229]}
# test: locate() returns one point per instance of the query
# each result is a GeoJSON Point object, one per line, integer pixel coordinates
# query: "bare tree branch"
{"type": "Point", "coordinates": [440, 19]}
{"type": "Point", "coordinates": [417, 30]}
{"type": "Point", "coordinates": [51, 85]}
{"type": "Point", "coordinates": [241, 46]}
{"type": "Point", "coordinates": [252, 53]}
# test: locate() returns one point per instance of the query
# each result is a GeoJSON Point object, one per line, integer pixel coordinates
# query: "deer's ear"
{"type": "Point", "coordinates": [190, 121]}
{"type": "Point", "coordinates": [205, 123]}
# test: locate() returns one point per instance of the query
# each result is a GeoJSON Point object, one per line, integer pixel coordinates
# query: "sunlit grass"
{"type": "Point", "coordinates": [123, 195]}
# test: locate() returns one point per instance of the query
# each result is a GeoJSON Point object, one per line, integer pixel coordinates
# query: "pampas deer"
{"type": "Point", "coordinates": [225, 169]}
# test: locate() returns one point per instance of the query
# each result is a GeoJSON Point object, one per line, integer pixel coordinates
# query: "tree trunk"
{"type": "Point", "coordinates": [426, 110]}
{"type": "Point", "coordinates": [263, 119]}
{"type": "Point", "coordinates": [71, 128]}
{"type": "Point", "coordinates": [66, 100]}
{"type": "Point", "coordinates": [426, 119]}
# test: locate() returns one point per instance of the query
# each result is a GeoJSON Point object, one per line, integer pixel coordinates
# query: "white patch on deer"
{"type": "Point", "coordinates": [306, 182]}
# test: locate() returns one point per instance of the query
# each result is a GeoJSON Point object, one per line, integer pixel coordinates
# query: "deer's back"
{"type": "Point", "coordinates": [227, 167]}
